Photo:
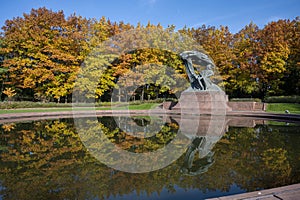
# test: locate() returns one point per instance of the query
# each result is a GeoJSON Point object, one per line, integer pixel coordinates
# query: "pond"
{"type": "Point", "coordinates": [206, 157]}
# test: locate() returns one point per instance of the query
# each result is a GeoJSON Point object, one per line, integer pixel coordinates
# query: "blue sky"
{"type": "Point", "coordinates": [191, 13]}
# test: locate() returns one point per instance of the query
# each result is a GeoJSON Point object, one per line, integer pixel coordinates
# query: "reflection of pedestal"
{"type": "Point", "coordinates": [206, 125]}
{"type": "Point", "coordinates": [209, 127]}
{"type": "Point", "coordinates": [203, 102]}
{"type": "Point", "coordinates": [204, 131]}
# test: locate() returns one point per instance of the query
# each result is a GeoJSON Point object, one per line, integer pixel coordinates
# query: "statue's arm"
{"type": "Point", "coordinates": [190, 69]}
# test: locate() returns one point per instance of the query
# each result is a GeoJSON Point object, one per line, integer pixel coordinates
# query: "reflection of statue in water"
{"type": "Point", "coordinates": [205, 158]}
{"type": "Point", "coordinates": [201, 81]}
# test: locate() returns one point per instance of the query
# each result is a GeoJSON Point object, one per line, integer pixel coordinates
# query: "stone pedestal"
{"type": "Point", "coordinates": [202, 102]}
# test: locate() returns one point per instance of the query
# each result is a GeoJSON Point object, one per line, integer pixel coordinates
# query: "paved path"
{"type": "Point", "coordinates": [291, 192]}
{"type": "Point", "coordinates": [78, 113]}
{"type": "Point", "coordinates": [26, 116]}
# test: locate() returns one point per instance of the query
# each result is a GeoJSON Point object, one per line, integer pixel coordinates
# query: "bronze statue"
{"type": "Point", "coordinates": [200, 81]}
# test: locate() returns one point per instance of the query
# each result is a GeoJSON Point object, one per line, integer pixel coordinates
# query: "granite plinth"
{"type": "Point", "coordinates": [203, 102]}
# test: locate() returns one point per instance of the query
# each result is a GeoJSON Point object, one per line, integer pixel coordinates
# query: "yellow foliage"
{"type": "Point", "coordinates": [9, 92]}
{"type": "Point", "coordinates": [276, 160]}
{"type": "Point", "coordinates": [8, 127]}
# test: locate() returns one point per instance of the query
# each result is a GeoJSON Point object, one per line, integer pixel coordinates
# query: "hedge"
{"type": "Point", "coordinates": [282, 99]}
{"type": "Point", "coordinates": [30, 104]}
{"type": "Point", "coordinates": [245, 100]}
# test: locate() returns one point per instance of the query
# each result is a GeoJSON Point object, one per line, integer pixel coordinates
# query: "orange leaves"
{"type": "Point", "coordinates": [42, 46]}
{"type": "Point", "coordinates": [44, 50]}
{"type": "Point", "coordinates": [254, 61]}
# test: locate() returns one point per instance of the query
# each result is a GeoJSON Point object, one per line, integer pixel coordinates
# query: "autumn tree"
{"type": "Point", "coordinates": [94, 76]}
{"type": "Point", "coordinates": [292, 74]}
{"type": "Point", "coordinates": [272, 56]}
{"type": "Point", "coordinates": [43, 54]}
{"type": "Point", "coordinates": [243, 81]}
{"type": "Point", "coordinates": [44, 51]}
{"type": "Point", "coordinates": [133, 54]}
{"type": "Point", "coordinates": [150, 72]}
{"type": "Point", "coordinates": [3, 70]}
{"type": "Point", "coordinates": [254, 62]}
{"type": "Point", "coordinates": [217, 42]}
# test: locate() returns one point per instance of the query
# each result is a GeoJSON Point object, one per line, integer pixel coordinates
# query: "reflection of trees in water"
{"type": "Point", "coordinates": [46, 160]}
{"type": "Point", "coordinates": [251, 158]}
{"type": "Point", "coordinates": [138, 134]}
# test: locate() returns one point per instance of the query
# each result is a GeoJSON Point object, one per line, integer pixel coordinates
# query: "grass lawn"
{"type": "Point", "coordinates": [144, 106]}
{"type": "Point", "coordinates": [25, 110]}
{"type": "Point", "coordinates": [272, 107]}
{"type": "Point", "coordinates": [293, 108]}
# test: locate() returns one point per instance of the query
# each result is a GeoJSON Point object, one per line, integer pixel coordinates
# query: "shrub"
{"type": "Point", "coordinates": [283, 99]}
{"type": "Point", "coordinates": [30, 104]}
{"type": "Point", "coordinates": [245, 100]}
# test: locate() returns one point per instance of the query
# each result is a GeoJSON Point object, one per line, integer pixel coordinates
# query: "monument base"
{"type": "Point", "coordinates": [202, 102]}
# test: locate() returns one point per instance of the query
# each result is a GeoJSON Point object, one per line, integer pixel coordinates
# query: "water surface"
{"type": "Point", "coordinates": [48, 159]}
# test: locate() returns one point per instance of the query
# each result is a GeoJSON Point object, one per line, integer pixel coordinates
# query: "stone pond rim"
{"type": "Point", "coordinates": [15, 117]}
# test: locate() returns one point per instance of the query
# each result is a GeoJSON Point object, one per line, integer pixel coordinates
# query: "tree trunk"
{"type": "Point", "coordinates": [142, 96]}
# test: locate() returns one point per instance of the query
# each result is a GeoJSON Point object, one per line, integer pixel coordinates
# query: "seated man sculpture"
{"type": "Point", "coordinates": [201, 81]}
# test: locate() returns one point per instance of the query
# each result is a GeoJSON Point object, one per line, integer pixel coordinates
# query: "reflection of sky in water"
{"type": "Point", "coordinates": [1, 189]}
{"type": "Point", "coordinates": [181, 193]}
{"type": "Point", "coordinates": [47, 159]}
